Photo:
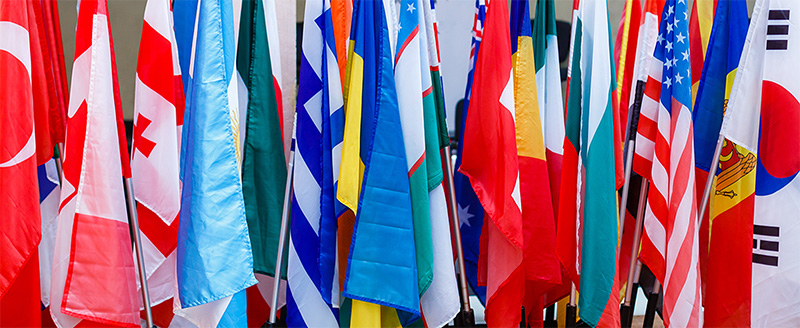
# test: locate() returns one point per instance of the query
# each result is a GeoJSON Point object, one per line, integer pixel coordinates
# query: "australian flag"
{"type": "Point", "coordinates": [470, 211]}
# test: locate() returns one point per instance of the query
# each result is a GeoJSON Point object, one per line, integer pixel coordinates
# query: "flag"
{"type": "Point", "coordinates": [275, 57]}
{"type": "Point", "coordinates": [440, 302]}
{"type": "Point", "coordinates": [587, 238]}
{"type": "Point", "coordinates": [700, 23]}
{"type": "Point", "coordinates": [184, 16]}
{"type": "Point", "coordinates": [636, 81]}
{"type": "Point", "coordinates": [567, 233]}
{"type": "Point", "coordinates": [55, 52]}
{"type": "Point", "coordinates": [645, 47]}
{"type": "Point", "coordinates": [47, 114]}
{"type": "Point", "coordinates": [542, 269]}
{"type": "Point", "coordinates": [470, 211]}
{"type": "Point", "coordinates": [408, 79]}
{"type": "Point", "coordinates": [342, 16]}
{"type": "Point", "coordinates": [21, 225]}
{"type": "Point", "coordinates": [670, 240]}
{"type": "Point", "coordinates": [491, 164]}
{"type": "Point", "coordinates": [379, 274]}
{"type": "Point", "coordinates": [93, 240]}
{"type": "Point", "coordinates": [158, 117]}
{"type": "Point", "coordinates": [215, 262]}
{"type": "Point", "coordinates": [625, 57]}
{"type": "Point", "coordinates": [762, 120]}
{"type": "Point", "coordinates": [721, 256]}
{"type": "Point", "coordinates": [49, 193]}
{"type": "Point", "coordinates": [548, 86]}
{"type": "Point", "coordinates": [312, 273]}
{"type": "Point", "coordinates": [263, 161]}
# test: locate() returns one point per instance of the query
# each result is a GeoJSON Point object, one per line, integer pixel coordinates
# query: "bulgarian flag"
{"type": "Point", "coordinates": [588, 247]}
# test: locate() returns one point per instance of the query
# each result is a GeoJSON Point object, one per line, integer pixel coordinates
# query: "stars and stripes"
{"type": "Point", "coordinates": [665, 154]}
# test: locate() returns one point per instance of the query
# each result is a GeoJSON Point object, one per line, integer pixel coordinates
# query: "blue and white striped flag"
{"type": "Point", "coordinates": [313, 297]}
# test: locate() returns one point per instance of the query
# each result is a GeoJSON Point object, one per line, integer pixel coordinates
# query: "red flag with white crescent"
{"type": "Point", "coordinates": [20, 227]}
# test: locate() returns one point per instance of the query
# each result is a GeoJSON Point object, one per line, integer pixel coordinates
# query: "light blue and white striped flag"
{"type": "Point", "coordinates": [313, 296]}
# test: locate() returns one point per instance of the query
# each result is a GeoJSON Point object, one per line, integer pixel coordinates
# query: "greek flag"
{"type": "Point", "coordinates": [312, 271]}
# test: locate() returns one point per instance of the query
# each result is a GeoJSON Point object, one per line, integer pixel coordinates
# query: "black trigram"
{"type": "Point", "coordinates": [778, 30]}
{"type": "Point", "coordinates": [765, 244]}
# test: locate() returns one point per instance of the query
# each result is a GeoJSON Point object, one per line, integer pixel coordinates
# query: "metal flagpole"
{"type": "Point", "coordinates": [133, 219]}
{"type": "Point", "coordinates": [466, 318]}
{"type": "Point", "coordinates": [572, 308]}
{"type": "Point", "coordinates": [626, 311]}
{"type": "Point", "coordinates": [709, 181]}
{"type": "Point", "coordinates": [276, 283]}
{"type": "Point", "coordinates": [623, 203]}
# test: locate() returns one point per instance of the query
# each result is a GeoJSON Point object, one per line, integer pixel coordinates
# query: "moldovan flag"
{"type": "Point", "coordinates": [158, 117]}
{"type": "Point", "coordinates": [763, 120]}
{"type": "Point", "coordinates": [542, 269]}
{"type": "Point", "coordinates": [587, 231]}
{"type": "Point", "coordinates": [93, 270]}
{"type": "Point", "coordinates": [725, 252]}
{"type": "Point", "coordinates": [492, 166]}
{"type": "Point", "coordinates": [214, 262]}
{"type": "Point", "coordinates": [20, 228]}
{"type": "Point", "coordinates": [373, 181]}
{"type": "Point", "coordinates": [700, 22]}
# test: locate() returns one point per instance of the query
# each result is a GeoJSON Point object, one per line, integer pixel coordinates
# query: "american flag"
{"type": "Point", "coordinates": [665, 155]}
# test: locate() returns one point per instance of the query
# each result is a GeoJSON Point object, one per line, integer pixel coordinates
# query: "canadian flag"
{"type": "Point", "coordinates": [93, 270]}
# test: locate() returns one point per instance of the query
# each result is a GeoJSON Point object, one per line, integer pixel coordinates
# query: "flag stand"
{"type": "Point", "coordinates": [133, 219]}
{"type": "Point", "coordinates": [465, 318]}
{"type": "Point", "coordinates": [276, 283]}
{"type": "Point", "coordinates": [652, 303]}
{"type": "Point", "coordinates": [572, 309]}
{"type": "Point", "coordinates": [626, 310]}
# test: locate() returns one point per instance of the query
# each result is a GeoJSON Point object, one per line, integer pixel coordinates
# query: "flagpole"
{"type": "Point", "coordinates": [276, 283]}
{"type": "Point", "coordinates": [467, 316]}
{"type": "Point", "coordinates": [137, 241]}
{"type": "Point", "coordinates": [626, 312]}
{"type": "Point", "coordinates": [709, 181]}
{"type": "Point", "coordinates": [572, 309]}
{"type": "Point", "coordinates": [623, 204]}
